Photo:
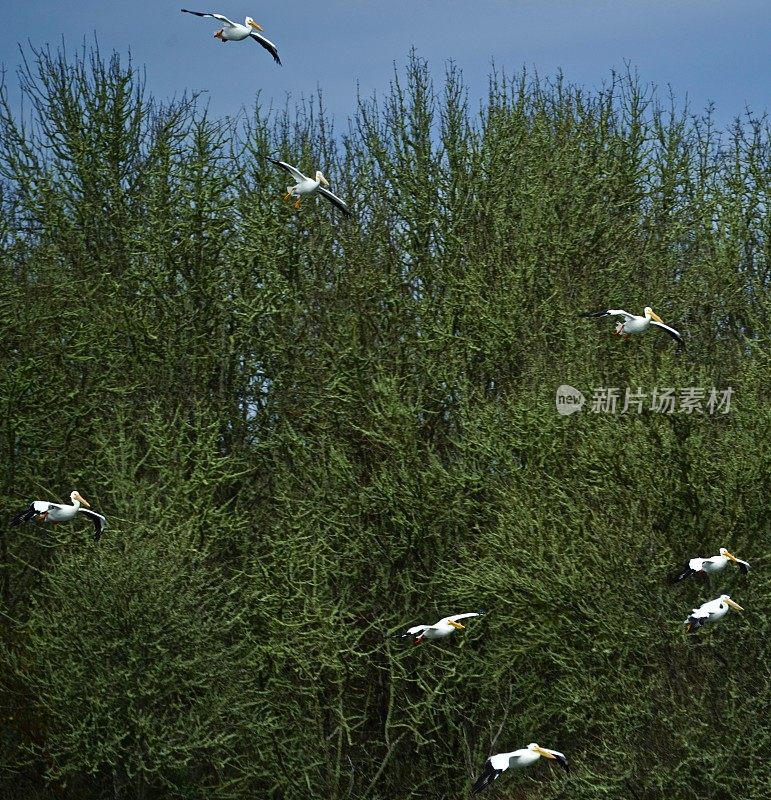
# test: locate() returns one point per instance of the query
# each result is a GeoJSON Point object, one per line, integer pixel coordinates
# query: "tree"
{"type": "Point", "coordinates": [308, 431]}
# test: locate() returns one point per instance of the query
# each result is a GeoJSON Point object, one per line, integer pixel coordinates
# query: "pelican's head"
{"type": "Point", "coordinates": [76, 495]}
{"type": "Point", "coordinates": [726, 554]}
{"type": "Point", "coordinates": [651, 314]}
{"type": "Point", "coordinates": [252, 24]}
{"type": "Point", "coordinates": [321, 179]}
{"type": "Point", "coordinates": [726, 599]}
{"type": "Point", "coordinates": [541, 752]}
{"type": "Point", "coordinates": [455, 624]}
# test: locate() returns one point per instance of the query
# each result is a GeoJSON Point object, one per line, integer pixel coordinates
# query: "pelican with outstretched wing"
{"type": "Point", "coordinates": [438, 630]}
{"type": "Point", "coordinates": [236, 32]}
{"type": "Point", "coordinates": [42, 511]}
{"type": "Point", "coordinates": [307, 187]}
{"type": "Point", "coordinates": [634, 323]}
{"type": "Point", "coordinates": [517, 759]}
{"type": "Point", "coordinates": [709, 565]}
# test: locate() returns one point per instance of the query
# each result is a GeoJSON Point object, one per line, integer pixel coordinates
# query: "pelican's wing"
{"type": "Point", "coordinates": [489, 774]}
{"type": "Point", "coordinates": [267, 44]}
{"type": "Point", "coordinates": [26, 515]}
{"type": "Point", "coordinates": [100, 523]}
{"type": "Point", "coordinates": [697, 618]}
{"type": "Point", "coordinates": [691, 567]}
{"type": "Point", "coordinates": [293, 171]}
{"type": "Point", "coordinates": [31, 511]}
{"type": "Point", "coordinates": [694, 623]}
{"type": "Point", "coordinates": [220, 17]}
{"type": "Point", "coordinates": [560, 758]}
{"type": "Point", "coordinates": [413, 631]}
{"type": "Point", "coordinates": [671, 331]}
{"type": "Point", "coordinates": [686, 572]}
{"type": "Point", "coordinates": [610, 312]}
{"type": "Point", "coordinates": [336, 201]}
{"type": "Point", "coordinates": [456, 617]}
{"type": "Point", "coordinates": [743, 566]}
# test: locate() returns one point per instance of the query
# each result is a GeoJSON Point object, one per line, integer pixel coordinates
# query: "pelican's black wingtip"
{"type": "Point", "coordinates": [686, 572]}
{"type": "Point", "coordinates": [486, 778]}
{"type": "Point", "coordinates": [693, 623]}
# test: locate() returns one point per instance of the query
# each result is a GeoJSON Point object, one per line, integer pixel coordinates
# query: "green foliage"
{"type": "Point", "coordinates": [307, 432]}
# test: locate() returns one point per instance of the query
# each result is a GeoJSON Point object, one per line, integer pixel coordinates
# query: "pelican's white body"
{"type": "Point", "coordinates": [58, 512]}
{"type": "Point", "coordinates": [634, 324]}
{"type": "Point", "coordinates": [235, 32]}
{"type": "Point", "coordinates": [305, 186]}
{"type": "Point", "coordinates": [713, 564]}
{"type": "Point", "coordinates": [438, 631]}
{"type": "Point", "coordinates": [517, 759]}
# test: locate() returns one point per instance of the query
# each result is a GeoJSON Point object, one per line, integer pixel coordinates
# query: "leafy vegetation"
{"type": "Point", "coordinates": [307, 431]}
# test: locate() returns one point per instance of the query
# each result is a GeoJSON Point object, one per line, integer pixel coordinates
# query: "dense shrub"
{"type": "Point", "coordinates": [308, 431]}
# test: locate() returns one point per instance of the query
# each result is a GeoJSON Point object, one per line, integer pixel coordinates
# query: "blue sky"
{"type": "Point", "coordinates": [706, 50]}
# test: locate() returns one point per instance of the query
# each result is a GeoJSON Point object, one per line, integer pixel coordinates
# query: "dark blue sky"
{"type": "Point", "coordinates": [706, 50]}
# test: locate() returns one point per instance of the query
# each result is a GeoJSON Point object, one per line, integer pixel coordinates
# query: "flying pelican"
{"type": "Point", "coordinates": [710, 612]}
{"type": "Point", "coordinates": [633, 323]}
{"type": "Point", "coordinates": [710, 565]}
{"type": "Point", "coordinates": [524, 757]}
{"type": "Point", "coordinates": [42, 511]}
{"type": "Point", "coordinates": [438, 630]}
{"type": "Point", "coordinates": [309, 186]}
{"type": "Point", "coordinates": [235, 32]}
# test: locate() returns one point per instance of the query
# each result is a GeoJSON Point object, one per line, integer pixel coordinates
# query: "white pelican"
{"type": "Point", "coordinates": [235, 32]}
{"type": "Point", "coordinates": [710, 612]}
{"type": "Point", "coordinates": [633, 323]}
{"type": "Point", "coordinates": [438, 630]}
{"type": "Point", "coordinates": [524, 757]}
{"type": "Point", "coordinates": [42, 511]}
{"type": "Point", "coordinates": [306, 186]}
{"type": "Point", "coordinates": [710, 565]}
